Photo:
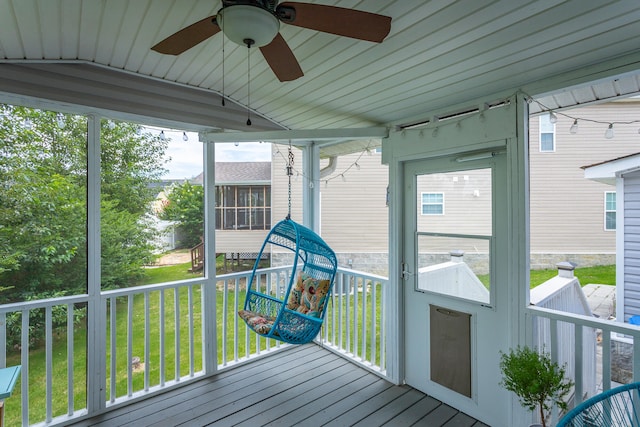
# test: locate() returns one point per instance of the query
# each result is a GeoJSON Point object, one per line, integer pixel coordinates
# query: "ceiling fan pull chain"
{"type": "Point", "coordinates": [249, 43]}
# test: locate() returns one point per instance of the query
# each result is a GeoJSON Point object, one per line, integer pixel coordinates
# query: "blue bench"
{"type": "Point", "coordinates": [8, 378]}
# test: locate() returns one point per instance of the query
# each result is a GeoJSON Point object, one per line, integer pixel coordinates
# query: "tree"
{"type": "Point", "coordinates": [43, 202]}
{"type": "Point", "coordinates": [185, 206]}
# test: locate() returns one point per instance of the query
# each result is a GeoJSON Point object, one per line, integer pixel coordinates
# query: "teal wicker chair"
{"type": "Point", "coordinates": [619, 406]}
{"type": "Point", "coordinates": [297, 316]}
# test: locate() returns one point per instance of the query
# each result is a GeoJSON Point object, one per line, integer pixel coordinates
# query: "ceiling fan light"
{"type": "Point", "coordinates": [243, 22]}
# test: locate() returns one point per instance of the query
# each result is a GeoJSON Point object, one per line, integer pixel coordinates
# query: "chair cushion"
{"type": "Point", "coordinates": [256, 321]}
{"type": "Point", "coordinates": [308, 295]}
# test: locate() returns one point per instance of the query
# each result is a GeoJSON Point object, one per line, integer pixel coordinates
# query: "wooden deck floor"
{"type": "Point", "coordinates": [305, 386]}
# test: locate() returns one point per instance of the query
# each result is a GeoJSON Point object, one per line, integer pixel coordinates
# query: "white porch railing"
{"type": "Point", "coordinates": [154, 339]}
{"type": "Point", "coordinates": [354, 322]}
{"type": "Point", "coordinates": [609, 331]}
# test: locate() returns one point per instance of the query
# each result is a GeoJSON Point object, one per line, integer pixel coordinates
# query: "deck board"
{"type": "Point", "coordinates": [303, 386]}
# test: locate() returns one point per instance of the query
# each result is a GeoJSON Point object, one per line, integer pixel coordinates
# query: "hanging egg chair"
{"type": "Point", "coordinates": [295, 318]}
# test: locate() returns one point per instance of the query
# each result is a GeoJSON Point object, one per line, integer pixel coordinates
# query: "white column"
{"type": "Point", "coordinates": [96, 320]}
{"type": "Point", "coordinates": [311, 188]}
{"type": "Point", "coordinates": [209, 338]}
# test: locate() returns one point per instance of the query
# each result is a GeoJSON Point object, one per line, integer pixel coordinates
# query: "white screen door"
{"type": "Point", "coordinates": [455, 232]}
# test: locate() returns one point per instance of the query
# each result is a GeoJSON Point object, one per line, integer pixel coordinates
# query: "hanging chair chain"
{"type": "Point", "coordinates": [290, 174]}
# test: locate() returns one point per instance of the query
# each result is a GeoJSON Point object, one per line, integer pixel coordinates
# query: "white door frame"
{"type": "Point", "coordinates": [488, 128]}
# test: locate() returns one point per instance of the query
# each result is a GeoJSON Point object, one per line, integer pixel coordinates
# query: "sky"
{"type": "Point", "coordinates": [186, 156]}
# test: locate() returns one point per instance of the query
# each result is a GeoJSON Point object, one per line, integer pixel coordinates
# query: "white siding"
{"type": "Point", "coordinates": [631, 244]}
{"type": "Point", "coordinates": [567, 210]}
{"type": "Point", "coordinates": [354, 215]}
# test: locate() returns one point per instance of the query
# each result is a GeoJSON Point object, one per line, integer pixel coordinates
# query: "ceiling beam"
{"type": "Point", "coordinates": [296, 135]}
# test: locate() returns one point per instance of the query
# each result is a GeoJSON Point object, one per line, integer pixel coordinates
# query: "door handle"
{"type": "Point", "coordinates": [405, 273]}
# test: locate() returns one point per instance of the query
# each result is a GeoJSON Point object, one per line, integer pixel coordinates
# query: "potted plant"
{"type": "Point", "coordinates": [535, 379]}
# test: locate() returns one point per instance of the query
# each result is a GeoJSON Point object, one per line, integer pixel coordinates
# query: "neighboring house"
{"type": "Point", "coordinates": [242, 204]}
{"type": "Point", "coordinates": [353, 205]}
{"type": "Point", "coordinates": [571, 217]}
{"type": "Point", "coordinates": [622, 176]}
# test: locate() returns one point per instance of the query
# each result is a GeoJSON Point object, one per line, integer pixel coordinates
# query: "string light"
{"type": "Point", "coordinates": [341, 175]}
{"type": "Point", "coordinates": [185, 137]}
{"type": "Point", "coordinates": [553, 117]}
{"type": "Point", "coordinates": [574, 127]}
{"type": "Point", "coordinates": [609, 132]}
{"type": "Point", "coordinates": [60, 120]}
{"type": "Point", "coordinates": [162, 137]}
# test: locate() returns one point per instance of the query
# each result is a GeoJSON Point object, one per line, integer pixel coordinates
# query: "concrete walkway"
{"type": "Point", "coordinates": [602, 300]}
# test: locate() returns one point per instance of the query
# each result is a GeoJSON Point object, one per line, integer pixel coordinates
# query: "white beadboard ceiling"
{"type": "Point", "coordinates": [439, 53]}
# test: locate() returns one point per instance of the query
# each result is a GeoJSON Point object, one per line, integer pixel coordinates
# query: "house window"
{"type": "Point", "coordinates": [432, 203]}
{"type": "Point", "coordinates": [245, 207]}
{"type": "Point", "coordinates": [547, 134]}
{"type": "Point", "coordinates": [610, 210]}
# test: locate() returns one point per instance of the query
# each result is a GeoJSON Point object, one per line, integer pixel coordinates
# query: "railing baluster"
{"type": "Point", "coordinates": [191, 336]}
{"type": "Point", "coordinates": [236, 323]}
{"type": "Point", "coordinates": [340, 310]}
{"type": "Point", "coordinates": [579, 375]}
{"type": "Point", "coordinates": [348, 313]}
{"type": "Point", "coordinates": [48, 339]}
{"type": "Point", "coordinates": [374, 302]}
{"type": "Point", "coordinates": [129, 345]}
{"type": "Point", "coordinates": [606, 360]}
{"type": "Point", "coordinates": [112, 373]}
{"type": "Point", "coordinates": [636, 359]}
{"type": "Point", "coordinates": [383, 332]}
{"type": "Point", "coordinates": [355, 315]}
{"type": "Point", "coordinates": [363, 331]}
{"type": "Point", "coordinates": [24, 361]}
{"type": "Point", "coordinates": [162, 332]}
{"type": "Point", "coordinates": [147, 341]}
{"type": "Point", "coordinates": [176, 326]}
{"type": "Point", "coordinates": [225, 314]}
{"type": "Point", "coordinates": [70, 358]}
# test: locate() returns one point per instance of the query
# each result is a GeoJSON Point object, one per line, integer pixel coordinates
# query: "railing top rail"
{"type": "Point", "coordinates": [362, 274]}
{"type": "Point", "coordinates": [153, 287]}
{"type": "Point", "coordinates": [589, 321]}
{"type": "Point", "coordinates": [180, 283]}
{"type": "Point", "coordinates": [42, 303]}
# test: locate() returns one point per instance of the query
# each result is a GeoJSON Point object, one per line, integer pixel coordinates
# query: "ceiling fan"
{"type": "Point", "coordinates": [257, 23]}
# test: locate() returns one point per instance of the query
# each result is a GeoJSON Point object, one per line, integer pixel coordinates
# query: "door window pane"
{"type": "Point", "coordinates": [454, 246]}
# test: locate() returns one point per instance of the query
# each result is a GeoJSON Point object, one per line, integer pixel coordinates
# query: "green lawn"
{"type": "Point", "coordinates": [37, 362]}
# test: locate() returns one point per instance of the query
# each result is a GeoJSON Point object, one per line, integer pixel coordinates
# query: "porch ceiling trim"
{"type": "Point", "coordinates": [301, 137]}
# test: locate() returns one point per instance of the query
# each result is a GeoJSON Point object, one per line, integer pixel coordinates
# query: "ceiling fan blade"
{"type": "Point", "coordinates": [188, 37]}
{"type": "Point", "coordinates": [336, 20]}
{"type": "Point", "coordinates": [280, 58]}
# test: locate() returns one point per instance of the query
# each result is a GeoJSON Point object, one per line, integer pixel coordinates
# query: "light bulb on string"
{"type": "Point", "coordinates": [185, 137]}
{"type": "Point", "coordinates": [162, 136]}
{"type": "Point", "coordinates": [344, 179]}
{"type": "Point", "coordinates": [326, 183]}
{"type": "Point", "coordinates": [357, 166]}
{"type": "Point", "coordinates": [236, 144]}
{"type": "Point", "coordinates": [609, 132]}
{"type": "Point", "coordinates": [574, 127]}
{"type": "Point", "coordinates": [27, 123]}
{"type": "Point", "coordinates": [553, 118]}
